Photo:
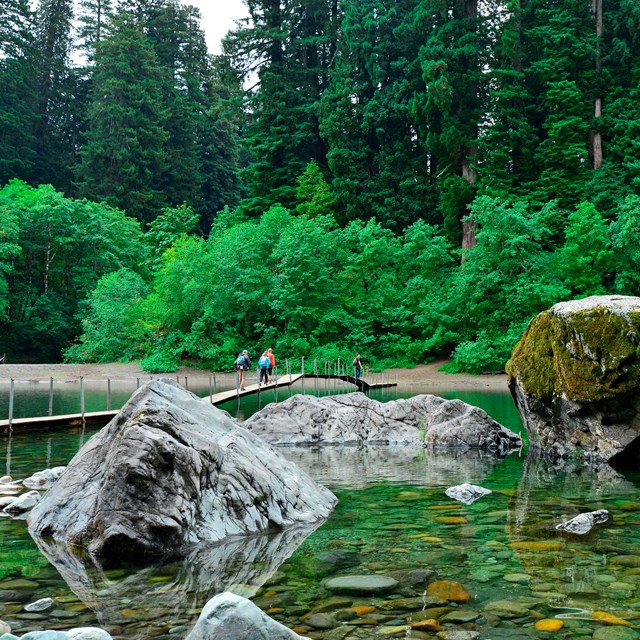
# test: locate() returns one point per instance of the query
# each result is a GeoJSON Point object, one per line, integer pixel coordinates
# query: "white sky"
{"type": "Point", "coordinates": [217, 18]}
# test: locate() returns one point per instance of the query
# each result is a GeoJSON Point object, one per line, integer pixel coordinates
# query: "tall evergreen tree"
{"type": "Point", "coordinates": [379, 167]}
{"type": "Point", "coordinates": [451, 109]}
{"type": "Point", "coordinates": [289, 46]}
{"type": "Point", "coordinates": [94, 17]}
{"type": "Point", "coordinates": [55, 135]}
{"type": "Point", "coordinates": [18, 105]}
{"type": "Point", "coordinates": [124, 159]}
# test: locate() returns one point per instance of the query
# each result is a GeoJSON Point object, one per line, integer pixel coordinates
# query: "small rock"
{"type": "Point", "coordinates": [458, 634]}
{"type": "Point", "coordinates": [321, 621]}
{"type": "Point", "coordinates": [4, 627]}
{"type": "Point", "coordinates": [448, 590]}
{"type": "Point", "coordinates": [467, 493]}
{"type": "Point", "coordinates": [584, 522]}
{"type": "Point", "coordinates": [364, 584]}
{"type": "Point", "coordinates": [24, 502]}
{"type": "Point", "coordinates": [549, 624]}
{"type": "Point", "coordinates": [87, 633]}
{"type": "Point", "coordinates": [507, 608]}
{"type": "Point", "coordinates": [43, 604]}
{"type": "Point", "coordinates": [44, 635]}
{"type": "Point", "coordinates": [5, 479]}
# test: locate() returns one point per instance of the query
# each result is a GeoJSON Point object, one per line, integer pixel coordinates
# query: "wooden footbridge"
{"type": "Point", "coordinates": [102, 417]}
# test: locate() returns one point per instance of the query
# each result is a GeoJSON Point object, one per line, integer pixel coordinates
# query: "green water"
{"type": "Point", "coordinates": [393, 518]}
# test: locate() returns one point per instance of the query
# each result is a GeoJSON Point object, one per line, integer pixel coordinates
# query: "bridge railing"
{"type": "Point", "coordinates": [326, 377]}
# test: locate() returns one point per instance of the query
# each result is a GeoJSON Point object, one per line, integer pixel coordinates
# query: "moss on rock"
{"type": "Point", "coordinates": [588, 354]}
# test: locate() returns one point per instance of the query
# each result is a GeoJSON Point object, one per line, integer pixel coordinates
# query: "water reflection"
{"type": "Point", "coordinates": [166, 595]}
{"type": "Point", "coordinates": [359, 466]}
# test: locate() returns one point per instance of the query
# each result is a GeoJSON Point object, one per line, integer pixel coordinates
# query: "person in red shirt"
{"type": "Point", "coordinates": [272, 360]}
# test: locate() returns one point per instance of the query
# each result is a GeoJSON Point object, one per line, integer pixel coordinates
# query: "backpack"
{"type": "Point", "coordinates": [264, 362]}
{"type": "Point", "coordinates": [240, 362]}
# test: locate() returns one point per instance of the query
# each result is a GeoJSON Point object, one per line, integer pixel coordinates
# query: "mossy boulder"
{"type": "Point", "coordinates": [575, 377]}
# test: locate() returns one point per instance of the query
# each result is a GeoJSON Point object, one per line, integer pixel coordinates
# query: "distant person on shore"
{"type": "Point", "coordinates": [263, 365]}
{"type": "Point", "coordinates": [242, 365]}
{"type": "Point", "coordinates": [357, 364]}
{"type": "Point", "coordinates": [272, 363]}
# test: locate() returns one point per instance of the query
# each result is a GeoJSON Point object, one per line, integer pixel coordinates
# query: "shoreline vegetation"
{"type": "Point", "coordinates": [425, 376]}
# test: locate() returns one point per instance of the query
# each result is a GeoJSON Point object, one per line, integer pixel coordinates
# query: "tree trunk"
{"type": "Point", "coordinates": [596, 135]}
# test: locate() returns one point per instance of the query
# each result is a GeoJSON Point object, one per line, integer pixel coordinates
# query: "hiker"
{"type": "Point", "coordinates": [242, 365]}
{"type": "Point", "coordinates": [263, 365]}
{"type": "Point", "coordinates": [272, 363]}
{"type": "Point", "coordinates": [357, 363]}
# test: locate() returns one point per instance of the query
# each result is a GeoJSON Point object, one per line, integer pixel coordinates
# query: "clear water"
{"type": "Point", "coordinates": [393, 518]}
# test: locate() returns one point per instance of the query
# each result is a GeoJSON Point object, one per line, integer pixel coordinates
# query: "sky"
{"type": "Point", "coordinates": [217, 18]}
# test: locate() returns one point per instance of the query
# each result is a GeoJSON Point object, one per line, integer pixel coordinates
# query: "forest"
{"type": "Point", "coordinates": [409, 179]}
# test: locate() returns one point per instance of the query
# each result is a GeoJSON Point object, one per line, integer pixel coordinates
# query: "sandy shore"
{"type": "Point", "coordinates": [424, 376]}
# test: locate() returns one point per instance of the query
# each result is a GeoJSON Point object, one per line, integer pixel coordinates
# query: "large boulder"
{"type": "Point", "coordinates": [355, 419]}
{"type": "Point", "coordinates": [575, 377]}
{"type": "Point", "coordinates": [170, 470]}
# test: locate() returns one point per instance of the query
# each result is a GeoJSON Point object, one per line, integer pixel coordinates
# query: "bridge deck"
{"type": "Point", "coordinates": [102, 417]}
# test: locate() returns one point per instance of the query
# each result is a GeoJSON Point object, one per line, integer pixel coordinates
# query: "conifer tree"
{"type": "Point", "coordinates": [124, 159]}
{"type": "Point", "coordinates": [18, 106]}
{"type": "Point", "coordinates": [55, 89]}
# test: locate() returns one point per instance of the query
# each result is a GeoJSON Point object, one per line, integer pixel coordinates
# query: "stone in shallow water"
{"type": "Point", "coordinates": [40, 605]}
{"type": "Point", "coordinates": [549, 624]}
{"type": "Point", "coordinates": [362, 584]}
{"type": "Point", "coordinates": [24, 502]}
{"type": "Point", "coordinates": [448, 590]}
{"type": "Point", "coordinates": [467, 493]}
{"type": "Point", "coordinates": [584, 522]}
{"type": "Point", "coordinates": [615, 633]}
{"type": "Point", "coordinates": [508, 608]}
{"type": "Point", "coordinates": [87, 633]}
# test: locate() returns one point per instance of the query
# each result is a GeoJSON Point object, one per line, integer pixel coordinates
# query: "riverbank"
{"type": "Point", "coordinates": [425, 376]}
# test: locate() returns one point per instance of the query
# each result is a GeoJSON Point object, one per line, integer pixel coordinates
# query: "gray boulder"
{"type": "Point", "coordinates": [355, 419]}
{"type": "Point", "coordinates": [584, 522]}
{"type": "Point", "coordinates": [170, 470]}
{"type": "Point", "coordinates": [575, 378]}
{"type": "Point", "coordinates": [231, 617]}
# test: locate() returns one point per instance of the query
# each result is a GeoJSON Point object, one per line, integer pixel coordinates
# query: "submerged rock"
{"type": "Point", "coordinates": [584, 522]}
{"type": "Point", "coordinates": [355, 419]}
{"type": "Point", "coordinates": [575, 377]}
{"type": "Point", "coordinates": [467, 493]}
{"type": "Point", "coordinates": [170, 470]}
{"type": "Point", "coordinates": [231, 617]}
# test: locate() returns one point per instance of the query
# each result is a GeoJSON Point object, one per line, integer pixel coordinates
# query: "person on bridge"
{"type": "Point", "coordinates": [263, 364]}
{"type": "Point", "coordinates": [242, 365]}
{"type": "Point", "coordinates": [357, 364]}
{"type": "Point", "coordinates": [272, 363]}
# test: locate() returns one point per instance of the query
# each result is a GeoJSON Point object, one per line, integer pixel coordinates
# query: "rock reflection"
{"type": "Point", "coordinates": [142, 603]}
{"type": "Point", "coordinates": [356, 467]}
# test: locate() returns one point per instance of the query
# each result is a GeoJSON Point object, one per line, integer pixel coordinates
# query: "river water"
{"type": "Point", "coordinates": [497, 567]}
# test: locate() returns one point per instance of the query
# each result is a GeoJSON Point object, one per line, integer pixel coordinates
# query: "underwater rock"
{"type": "Point", "coordinates": [575, 378]}
{"type": "Point", "coordinates": [231, 617]}
{"type": "Point", "coordinates": [169, 471]}
{"type": "Point", "coordinates": [584, 522]}
{"type": "Point", "coordinates": [355, 419]}
{"type": "Point", "coordinates": [44, 604]}
{"type": "Point", "coordinates": [467, 493]}
{"type": "Point", "coordinates": [362, 584]}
